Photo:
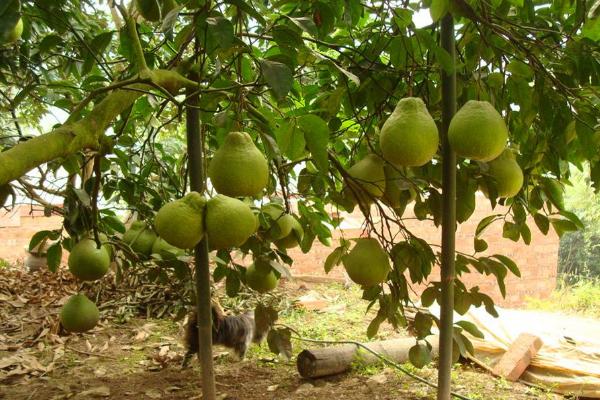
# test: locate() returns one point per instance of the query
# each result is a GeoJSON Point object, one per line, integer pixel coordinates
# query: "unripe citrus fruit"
{"type": "Point", "coordinates": [79, 314]}
{"type": "Point", "coordinates": [88, 262]}
{"type": "Point", "coordinates": [279, 218]}
{"type": "Point", "coordinates": [506, 172]}
{"type": "Point", "coordinates": [259, 280]}
{"type": "Point", "coordinates": [229, 222]}
{"type": "Point", "coordinates": [477, 131]}
{"type": "Point", "coordinates": [410, 136]}
{"type": "Point", "coordinates": [181, 222]}
{"type": "Point", "coordinates": [140, 238]}
{"type": "Point", "coordinates": [419, 355]}
{"type": "Point", "coordinates": [294, 238]}
{"type": "Point", "coordinates": [165, 250]}
{"type": "Point", "coordinates": [16, 32]}
{"type": "Point", "coordinates": [367, 263]}
{"type": "Point", "coordinates": [369, 180]}
{"type": "Point", "coordinates": [238, 168]}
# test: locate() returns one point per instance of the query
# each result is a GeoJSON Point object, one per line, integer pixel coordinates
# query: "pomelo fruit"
{"type": "Point", "coordinates": [5, 192]}
{"type": "Point", "coordinates": [398, 190]}
{"type": "Point", "coordinates": [16, 32]}
{"type": "Point", "coordinates": [165, 250]}
{"type": "Point", "coordinates": [282, 221]}
{"type": "Point", "coordinates": [409, 137]}
{"type": "Point", "coordinates": [140, 238]}
{"type": "Point", "coordinates": [369, 180]}
{"type": "Point", "coordinates": [477, 131]}
{"type": "Point", "coordinates": [367, 264]}
{"type": "Point", "coordinates": [419, 355]}
{"type": "Point", "coordinates": [259, 280]}
{"type": "Point", "coordinates": [79, 314]}
{"type": "Point", "coordinates": [181, 222]}
{"type": "Point", "coordinates": [238, 168]}
{"type": "Point", "coordinates": [229, 222]}
{"type": "Point", "coordinates": [294, 238]}
{"type": "Point", "coordinates": [88, 262]}
{"type": "Point", "coordinates": [507, 173]}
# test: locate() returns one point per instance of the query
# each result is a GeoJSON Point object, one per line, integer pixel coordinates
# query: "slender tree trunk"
{"type": "Point", "coordinates": [195, 166]}
{"type": "Point", "coordinates": [448, 218]}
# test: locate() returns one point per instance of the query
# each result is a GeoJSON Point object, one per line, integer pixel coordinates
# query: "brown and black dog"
{"type": "Point", "coordinates": [233, 331]}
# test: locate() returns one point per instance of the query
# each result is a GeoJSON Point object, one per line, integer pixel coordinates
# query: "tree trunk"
{"type": "Point", "coordinates": [448, 217]}
{"type": "Point", "coordinates": [335, 360]}
{"type": "Point", "coordinates": [202, 273]}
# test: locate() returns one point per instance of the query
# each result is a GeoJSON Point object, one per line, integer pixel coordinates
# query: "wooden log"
{"type": "Point", "coordinates": [337, 359]}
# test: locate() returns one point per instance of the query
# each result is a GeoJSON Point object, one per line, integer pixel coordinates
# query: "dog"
{"type": "Point", "coordinates": [236, 332]}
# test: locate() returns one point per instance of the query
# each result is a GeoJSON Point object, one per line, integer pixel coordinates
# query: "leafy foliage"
{"type": "Point", "coordinates": [312, 83]}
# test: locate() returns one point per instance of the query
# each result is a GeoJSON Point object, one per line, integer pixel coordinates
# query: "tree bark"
{"type": "Point", "coordinates": [448, 217]}
{"type": "Point", "coordinates": [85, 133]}
{"type": "Point", "coordinates": [335, 360]}
{"type": "Point", "coordinates": [202, 272]}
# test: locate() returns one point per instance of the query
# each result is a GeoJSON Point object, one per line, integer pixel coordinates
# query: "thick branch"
{"type": "Point", "coordinates": [85, 133]}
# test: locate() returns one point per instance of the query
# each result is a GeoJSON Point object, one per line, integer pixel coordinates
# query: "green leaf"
{"type": "Point", "coordinates": [334, 258]}
{"type": "Point", "coordinates": [471, 328]}
{"type": "Point", "coordinates": [37, 238]}
{"type": "Point", "coordinates": [10, 12]}
{"type": "Point", "coordinates": [423, 323]}
{"type": "Point", "coordinates": [554, 191]}
{"type": "Point", "coordinates": [484, 223]}
{"type": "Point", "coordinates": [480, 245]}
{"type": "Point", "coordinates": [279, 341]}
{"type": "Point", "coordinates": [54, 256]}
{"type": "Point", "coordinates": [221, 31]}
{"type": "Point", "coordinates": [542, 223]}
{"type": "Point", "coordinates": [510, 264]}
{"type": "Point", "coordinates": [290, 140]}
{"type": "Point", "coordinates": [438, 9]}
{"type": "Point", "coordinates": [114, 223]}
{"type": "Point", "coordinates": [374, 325]}
{"type": "Point", "coordinates": [316, 134]}
{"type": "Point", "coordinates": [232, 284]}
{"type": "Point", "coordinates": [306, 24]}
{"type": "Point", "coordinates": [562, 225]}
{"type": "Point", "coordinates": [428, 296]}
{"type": "Point", "coordinates": [591, 29]}
{"type": "Point", "coordinates": [511, 231]}
{"type": "Point", "coordinates": [248, 9]}
{"type": "Point", "coordinates": [278, 76]}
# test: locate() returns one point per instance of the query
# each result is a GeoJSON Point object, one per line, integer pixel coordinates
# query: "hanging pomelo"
{"type": "Point", "coordinates": [181, 222]}
{"type": "Point", "coordinates": [506, 172]}
{"type": "Point", "coordinates": [88, 262]}
{"type": "Point", "coordinates": [229, 222]}
{"type": "Point", "coordinates": [261, 280]}
{"type": "Point", "coordinates": [477, 131]}
{"type": "Point", "coordinates": [409, 137]}
{"type": "Point", "coordinates": [238, 168]}
{"type": "Point", "coordinates": [79, 314]}
{"type": "Point", "coordinates": [140, 238]}
{"type": "Point", "coordinates": [368, 182]}
{"type": "Point", "coordinates": [367, 263]}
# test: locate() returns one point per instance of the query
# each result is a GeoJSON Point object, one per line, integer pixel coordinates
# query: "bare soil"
{"type": "Point", "coordinates": [140, 359]}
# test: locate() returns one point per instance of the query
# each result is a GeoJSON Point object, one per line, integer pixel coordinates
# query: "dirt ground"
{"type": "Point", "coordinates": [140, 359]}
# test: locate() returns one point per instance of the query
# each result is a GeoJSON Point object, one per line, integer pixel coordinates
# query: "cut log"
{"type": "Point", "coordinates": [337, 359]}
{"type": "Point", "coordinates": [518, 357]}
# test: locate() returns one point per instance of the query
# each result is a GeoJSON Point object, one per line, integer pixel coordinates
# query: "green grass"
{"type": "Point", "coordinates": [580, 298]}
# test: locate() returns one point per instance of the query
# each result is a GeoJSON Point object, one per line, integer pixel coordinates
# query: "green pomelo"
{"type": "Point", "coordinates": [367, 263]}
{"type": "Point", "coordinates": [16, 33]}
{"type": "Point", "coordinates": [259, 280]}
{"type": "Point", "coordinates": [5, 191]}
{"type": "Point", "coordinates": [181, 222]}
{"type": "Point", "coordinates": [79, 314]}
{"type": "Point", "coordinates": [294, 238]}
{"type": "Point", "coordinates": [410, 136]}
{"type": "Point", "coordinates": [149, 9]}
{"type": "Point", "coordinates": [88, 262]}
{"type": "Point", "coordinates": [477, 131]}
{"type": "Point", "coordinates": [165, 250]}
{"type": "Point", "coordinates": [398, 189]}
{"type": "Point", "coordinates": [238, 168]}
{"type": "Point", "coordinates": [229, 222]}
{"type": "Point", "coordinates": [140, 238]}
{"type": "Point", "coordinates": [284, 221]}
{"type": "Point", "coordinates": [507, 173]}
{"type": "Point", "coordinates": [419, 355]}
{"type": "Point", "coordinates": [369, 180]}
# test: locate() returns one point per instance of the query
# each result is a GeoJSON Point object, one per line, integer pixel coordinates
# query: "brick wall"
{"type": "Point", "coordinates": [538, 262]}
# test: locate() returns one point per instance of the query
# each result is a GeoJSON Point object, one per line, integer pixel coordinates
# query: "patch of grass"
{"type": "Point", "coordinates": [579, 298]}
{"type": "Point", "coordinates": [4, 263]}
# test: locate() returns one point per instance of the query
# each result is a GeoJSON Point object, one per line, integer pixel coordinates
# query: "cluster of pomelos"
{"type": "Point", "coordinates": [238, 170]}
{"type": "Point", "coordinates": [409, 138]}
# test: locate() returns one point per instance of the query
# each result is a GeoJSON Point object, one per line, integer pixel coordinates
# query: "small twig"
{"type": "Point", "coordinates": [92, 354]}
